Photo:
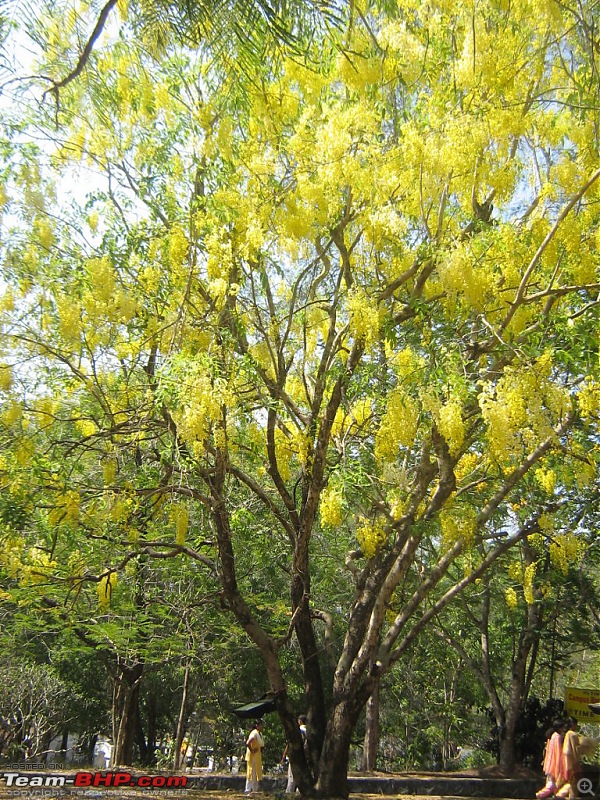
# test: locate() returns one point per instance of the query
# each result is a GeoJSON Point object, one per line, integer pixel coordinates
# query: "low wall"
{"type": "Point", "coordinates": [444, 785]}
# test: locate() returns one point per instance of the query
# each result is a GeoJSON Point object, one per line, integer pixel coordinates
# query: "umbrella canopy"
{"type": "Point", "coordinates": [595, 707]}
{"type": "Point", "coordinates": [255, 709]}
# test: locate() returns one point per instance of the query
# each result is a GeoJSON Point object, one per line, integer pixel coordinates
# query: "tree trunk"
{"type": "Point", "coordinates": [178, 756]}
{"type": "Point", "coordinates": [151, 731]}
{"type": "Point", "coordinates": [333, 772]}
{"type": "Point", "coordinates": [301, 768]}
{"type": "Point", "coordinates": [64, 746]}
{"type": "Point", "coordinates": [125, 735]}
{"type": "Point", "coordinates": [371, 743]}
{"type": "Point", "coordinates": [124, 713]}
{"type": "Point", "coordinates": [140, 736]}
{"type": "Point", "coordinates": [519, 686]}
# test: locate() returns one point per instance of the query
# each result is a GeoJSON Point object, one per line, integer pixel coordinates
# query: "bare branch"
{"type": "Point", "coordinates": [521, 291]}
{"type": "Point", "coordinates": [86, 53]}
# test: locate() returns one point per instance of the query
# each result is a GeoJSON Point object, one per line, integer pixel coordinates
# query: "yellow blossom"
{"type": "Point", "coordinates": [331, 505]}
{"type": "Point", "coordinates": [566, 550]}
{"type": "Point", "coordinates": [371, 536]}
{"type": "Point", "coordinates": [458, 524]}
{"type": "Point", "coordinates": [546, 479]}
{"type": "Point", "coordinates": [398, 426]}
{"type": "Point", "coordinates": [451, 426]}
{"type": "Point", "coordinates": [181, 517]}
{"type": "Point", "coordinates": [104, 588]}
{"type": "Point", "coordinates": [511, 599]}
{"type": "Point", "coordinates": [528, 578]}
{"type": "Point", "coordinates": [364, 317]}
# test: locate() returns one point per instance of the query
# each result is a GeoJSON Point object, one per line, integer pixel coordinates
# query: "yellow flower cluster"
{"type": "Point", "coordinates": [283, 453]}
{"type": "Point", "coordinates": [466, 465]}
{"type": "Point", "coordinates": [39, 568]}
{"type": "Point", "coordinates": [510, 596]}
{"type": "Point", "coordinates": [178, 247]}
{"type": "Point", "coordinates": [566, 550]}
{"type": "Point", "coordinates": [461, 278]}
{"type": "Point", "coordinates": [202, 397]}
{"type": "Point", "coordinates": [546, 479]}
{"type": "Point", "coordinates": [386, 223]}
{"type": "Point", "coordinates": [149, 278]}
{"type": "Point", "coordinates": [331, 506]}
{"type": "Point", "coordinates": [546, 523]}
{"type": "Point", "coordinates": [65, 508]}
{"type": "Point", "coordinates": [407, 365]}
{"type": "Point", "coordinates": [398, 426]}
{"type": "Point", "coordinates": [588, 399]}
{"type": "Point", "coordinates": [397, 502]}
{"type": "Point", "coordinates": [11, 555]}
{"type": "Point", "coordinates": [263, 357]}
{"type": "Point", "coordinates": [353, 421]}
{"type": "Point", "coordinates": [528, 578]}
{"type": "Point", "coordinates": [122, 508]}
{"type": "Point", "coordinates": [218, 289]}
{"type": "Point", "coordinates": [537, 542]}
{"type": "Point", "coordinates": [102, 278]}
{"type": "Point", "coordinates": [458, 524]}
{"type": "Point", "coordinates": [87, 427]}
{"type": "Point", "coordinates": [69, 325]}
{"type": "Point", "coordinates": [219, 257]}
{"type": "Point", "coordinates": [12, 413]}
{"type": "Point", "coordinates": [371, 536]}
{"type": "Point", "coordinates": [451, 426]}
{"type": "Point", "coordinates": [289, 446]}
{"type": "Point", "coordinates": [5, 377]}
{"type": "Point", "coordinates": [180, 516]}
{"type": "Point", "coordinates": [363, 316]}
{"type": "Point", "coordinates": [521, 410]}
{"type": "Point", "coordinates": [585, 473]}
{"type": "Point", "coordinates": [109, 470]}
{"type": "Point", "coordinates": [358, 71]}
{"type": "Point", "coordinates": [44, 232]}
{"type": "Point", "coordinates": [104, 588]}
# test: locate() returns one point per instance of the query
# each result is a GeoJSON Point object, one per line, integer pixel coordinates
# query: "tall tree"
{"type": "Point", "coordinates": [350, 321]}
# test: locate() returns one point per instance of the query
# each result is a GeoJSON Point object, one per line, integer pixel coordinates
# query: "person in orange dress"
{"type": "Point", "coordinates": [554, 760]}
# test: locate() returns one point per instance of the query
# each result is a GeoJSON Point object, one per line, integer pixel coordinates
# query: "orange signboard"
{"type": "Point", "coordinates": [576, 703]}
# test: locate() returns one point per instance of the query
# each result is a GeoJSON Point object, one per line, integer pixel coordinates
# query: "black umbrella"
{"type": "Point", "coordinates": [255, 709]}
{"type": "Point", "coordinates": [595, 707]}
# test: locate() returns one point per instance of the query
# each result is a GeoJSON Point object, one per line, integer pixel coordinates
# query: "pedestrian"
{"type": "Point", "coordinates": [291, 785]}
{"type": "Point", "coordinates": [554, 760]}
{"type": "Point", "coordinates": [574, 746]}
{"type": "Point", "coordinates": [254, 748]}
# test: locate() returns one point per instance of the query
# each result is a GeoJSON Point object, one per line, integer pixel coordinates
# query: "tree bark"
{"type": "Point", "coordinates": [151, 732]}
{"type": "Point", "coordinates": [371, 741]}
{"type": "Point", "coordinates": [519, 686]}
{"type": "Point", "coordinates": [333, 772]}
{"type": "Point", "coordinates": [124, 713]}
{"type": "Point", "coordinates": [178, 756]}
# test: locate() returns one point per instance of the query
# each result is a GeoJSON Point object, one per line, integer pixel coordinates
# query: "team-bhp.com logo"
{"type": "Point", "coordinates": [87, 779]}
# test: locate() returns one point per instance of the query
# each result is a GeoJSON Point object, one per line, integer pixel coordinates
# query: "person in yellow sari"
{"type": "Point", "coordinates": [254, 748]}
{"type": "Point", "coordinates": [574, 746]}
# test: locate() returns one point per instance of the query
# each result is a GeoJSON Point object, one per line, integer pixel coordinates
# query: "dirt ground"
{"type": "Point", "coordinates": [172, 794]}
{"type": "Point", "coordinates": [130, 793]}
